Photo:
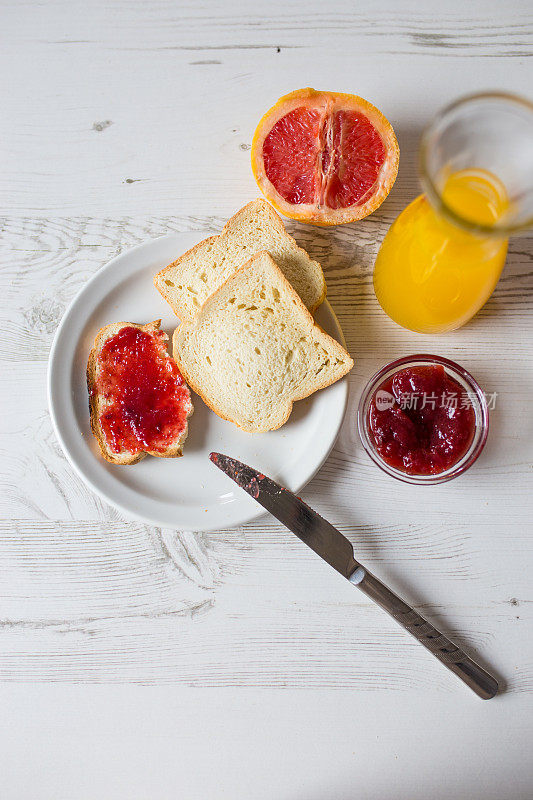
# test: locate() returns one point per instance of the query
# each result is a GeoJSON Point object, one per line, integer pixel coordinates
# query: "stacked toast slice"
{"type": "Point", "coordinates": [247, 342]}
{"type": "Point", "coordinates": [191, 279]}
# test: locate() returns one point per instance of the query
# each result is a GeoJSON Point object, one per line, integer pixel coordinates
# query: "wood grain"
{"type": "Point", "coordinates": [239, 649]}
{"type": "Point", "coordinates": [46, 262]}
{"type": "Point", "coordinates": [137, 113]}
{"type": "Point", "coordinates": [124, 602]}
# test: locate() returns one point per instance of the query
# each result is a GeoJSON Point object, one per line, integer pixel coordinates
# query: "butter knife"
{"type": "Point", "coordinates": [332, 546]}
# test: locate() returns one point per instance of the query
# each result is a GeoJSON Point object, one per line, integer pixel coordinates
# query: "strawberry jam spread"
{"type": "Point", "coordinates": [145, 400]}
{"type": "Point", "coordinates": [421, 420]}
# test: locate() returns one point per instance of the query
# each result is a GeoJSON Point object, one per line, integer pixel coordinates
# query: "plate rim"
{"type": "Point", "coordinates": [53, 366]}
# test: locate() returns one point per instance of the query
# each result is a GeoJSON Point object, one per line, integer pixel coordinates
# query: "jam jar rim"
{"type": "Point", "coordinates": [457, 372]}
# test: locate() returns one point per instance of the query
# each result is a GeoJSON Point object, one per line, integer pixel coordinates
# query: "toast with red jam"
{"type": "Point", "coordinates": [139, 402]}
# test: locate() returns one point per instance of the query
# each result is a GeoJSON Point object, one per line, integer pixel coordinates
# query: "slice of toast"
{"type": "Point", "coordinates": [187, 282]}
{"type": "Point", "coordinates": [253, 349]}
{"type": "Point", "coordinates": [100, 386]}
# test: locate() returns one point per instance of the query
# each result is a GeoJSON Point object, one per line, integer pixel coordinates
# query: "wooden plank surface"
{"type": "Point", "coordinates": [128, 120]}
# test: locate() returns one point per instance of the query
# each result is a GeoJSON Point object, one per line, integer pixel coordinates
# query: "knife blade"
{"type": "Point", "coordinates": [334, 548]}
{"type": "Point", "coordinates": [296, 515]}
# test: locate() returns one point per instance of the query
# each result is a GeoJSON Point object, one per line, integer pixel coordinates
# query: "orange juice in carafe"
{"type": "Point", "coordinates": [432, 275]}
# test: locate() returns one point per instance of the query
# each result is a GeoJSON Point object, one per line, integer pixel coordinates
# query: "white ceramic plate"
{"type": "Point", "coordinates": [190, 492]}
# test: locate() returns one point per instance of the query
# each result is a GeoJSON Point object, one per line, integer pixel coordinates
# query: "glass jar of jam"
{"type": "Point", "coordinates": [423, 419]}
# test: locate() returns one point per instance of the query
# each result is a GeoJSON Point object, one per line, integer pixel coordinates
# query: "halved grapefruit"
{"type": "Point", "coordinates": [324, 158]}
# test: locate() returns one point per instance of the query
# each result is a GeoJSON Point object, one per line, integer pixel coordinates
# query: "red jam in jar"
{"type": "Point", "coordinates": [146, 402]}
{"type": "Point", "coordinates": [421, 420]}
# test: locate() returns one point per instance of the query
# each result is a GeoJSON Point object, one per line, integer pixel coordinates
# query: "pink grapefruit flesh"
{"type": "Point", "coordinates": [325, 158]}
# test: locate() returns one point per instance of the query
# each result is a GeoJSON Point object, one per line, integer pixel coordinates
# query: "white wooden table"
{"type": "Point", "coordinates": [146, 664]}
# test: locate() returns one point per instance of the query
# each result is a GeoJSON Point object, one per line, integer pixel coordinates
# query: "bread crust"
{"type": "Point", "coordinates": [125, 458]}
{"type": "Point", "coordinates": [308, 318]}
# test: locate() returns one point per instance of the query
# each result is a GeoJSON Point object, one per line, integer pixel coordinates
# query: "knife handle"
{"type": "Point", "coordinates": [449, 654]}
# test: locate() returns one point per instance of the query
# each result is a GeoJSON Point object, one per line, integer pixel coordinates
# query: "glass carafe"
{"type": "Point", "coordinates": [441, 259]}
